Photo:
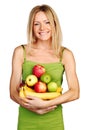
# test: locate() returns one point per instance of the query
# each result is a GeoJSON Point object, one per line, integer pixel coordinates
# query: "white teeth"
{"type": "Point", "coordinates": [43, 33]}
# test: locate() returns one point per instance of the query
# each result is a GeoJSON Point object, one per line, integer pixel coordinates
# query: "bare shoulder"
{"type": "Point", "coordinates": [68, 56]}
{"type": "Point", "coordinates": [67, 51]}
{"type": "Point", "coordinates": [18, 53]}
{"type": "Point", "coordinates": [19, 49]}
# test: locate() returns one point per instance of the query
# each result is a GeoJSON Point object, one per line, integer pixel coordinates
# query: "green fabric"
{"type": "Point", "coordinates": [54, 69]}
{"type": "Point", "coordinates": [31, 121]}
{"type": "Point", "coordinates": [53, 120]}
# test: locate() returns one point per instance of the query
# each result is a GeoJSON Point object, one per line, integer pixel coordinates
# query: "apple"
{"type": "Point", "coordinates": [21, 84]}
{"type": "Point", "coordinates": [31, 80]}
{"type": "Point", "coordinates": [38, 70]}
{"type": "Point", "coordinates": [40, 87]}
{"type": "Point", "coordinates": [52, 86]}
{"type": "Point", "coordinates": [46, 78]}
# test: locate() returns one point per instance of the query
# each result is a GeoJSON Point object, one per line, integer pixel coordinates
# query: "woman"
{"type": "Point", "coordinates": [44, 48]}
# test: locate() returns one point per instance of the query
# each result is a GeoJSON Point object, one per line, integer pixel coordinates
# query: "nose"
{"type": "Point", "coordinates": [42, 26]}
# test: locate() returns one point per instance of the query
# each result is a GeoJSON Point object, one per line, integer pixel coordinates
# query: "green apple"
{"type": "Point", "coordinates": [46, 78]}
{"type": "Point", "coordinates": [52, 86]}
{"type": "Point", "coordinates": [31, 80]}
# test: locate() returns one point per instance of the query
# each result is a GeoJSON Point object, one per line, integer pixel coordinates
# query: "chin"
{"type": "Point", "coordinates": [45, 38]}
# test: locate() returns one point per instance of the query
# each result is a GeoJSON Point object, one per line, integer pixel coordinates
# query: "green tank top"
{"type": "Point", "coordinates": [55, 69]}
{"type": "Point", "coordinates": [28, 120]}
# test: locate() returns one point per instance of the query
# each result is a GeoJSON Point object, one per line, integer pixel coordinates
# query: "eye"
{"type": "Point", "coordinates": [36, 24]}
{"type": "Point", "coordinates": [47, 22]}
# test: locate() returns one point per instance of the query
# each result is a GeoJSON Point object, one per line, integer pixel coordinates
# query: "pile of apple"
{"type": "Point", "coordinates": [40, 84]}
{"type": "Point", "coordinates": [40, 80]}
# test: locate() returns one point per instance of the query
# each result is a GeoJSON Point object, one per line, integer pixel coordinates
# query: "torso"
{"type": "Point", "coordinates": [55, 68]}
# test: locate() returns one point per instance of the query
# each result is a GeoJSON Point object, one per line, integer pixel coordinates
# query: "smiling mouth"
{"type": "Point", "coordinates": [43, 33]}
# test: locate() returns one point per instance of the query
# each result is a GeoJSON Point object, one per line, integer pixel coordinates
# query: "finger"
{"type": "Point", "coordinates": [52, 107]}
{"type": "Point", "coordinates": [45, 110]}
{"type": "Point", "coordinates": [29, 106]}
{"type": "Point", "coordinates": [31, 97]}
{"type": "Point", "coordinates": [25, 100]}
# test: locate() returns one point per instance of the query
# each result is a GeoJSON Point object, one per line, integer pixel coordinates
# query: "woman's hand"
{"type": "Point", "coordinates": [37, 105]}
{"type": "Point", "coordinates": [43, 110]}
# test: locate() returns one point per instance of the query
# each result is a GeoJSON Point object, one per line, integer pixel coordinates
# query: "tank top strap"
{"type": "Point", "coordinates": [61, 56]}
{"type": "Point", "coordinates": [24, 51]}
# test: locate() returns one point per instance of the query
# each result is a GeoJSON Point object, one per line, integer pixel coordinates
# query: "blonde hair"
{"type": "Point", "coordinates": [54, 22]}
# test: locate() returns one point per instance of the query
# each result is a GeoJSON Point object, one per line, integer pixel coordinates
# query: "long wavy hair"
{"type": "Point", "coordinates": [54, 22]}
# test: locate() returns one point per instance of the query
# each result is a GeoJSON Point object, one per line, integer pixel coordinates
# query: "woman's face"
{"type": "Point", "coordinates": [42, 29]}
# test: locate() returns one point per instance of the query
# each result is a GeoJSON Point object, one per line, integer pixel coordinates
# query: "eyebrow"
{"type": "Point", "coordinates": [43, 20]}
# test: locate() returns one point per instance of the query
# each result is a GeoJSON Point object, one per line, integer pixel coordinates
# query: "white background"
{"type": "Point", "coordinates": [13, 21]}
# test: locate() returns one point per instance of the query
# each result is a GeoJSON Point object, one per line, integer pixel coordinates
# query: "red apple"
{"type": "Point", "coordinates": [21, 84]}
{"type": "Point", "coordinates": [38, 70]}
{"type": "Point", "coordinates": [40, 87]}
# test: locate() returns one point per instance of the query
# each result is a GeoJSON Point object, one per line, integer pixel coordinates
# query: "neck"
{"type": "Point", "coordinates": [42, 45]}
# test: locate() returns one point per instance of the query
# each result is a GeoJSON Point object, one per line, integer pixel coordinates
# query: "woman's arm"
{"type": "Point", "coordinates": [15, 81]}
{"type": "Point", "coordinates": [72, 80]}
{"type": "Point", "coordinates": [16, 74]}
